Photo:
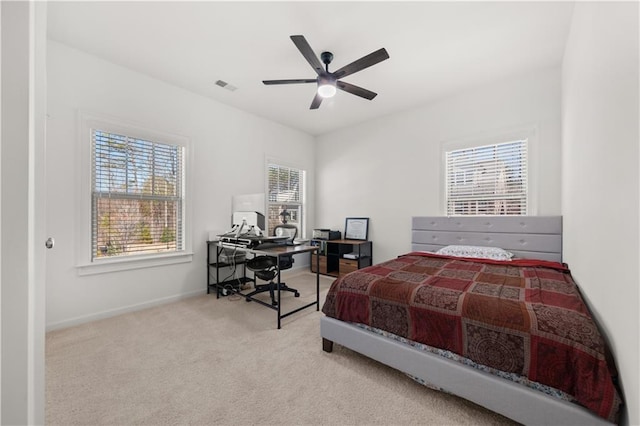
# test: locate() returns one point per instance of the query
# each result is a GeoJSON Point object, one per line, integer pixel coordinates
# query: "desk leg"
{"type": "Point", "coordinates": [278, 288]}
{"type": "Point", "coordinates": [218, 250]}
{"type": "Point", "coordinates": [317, 280]}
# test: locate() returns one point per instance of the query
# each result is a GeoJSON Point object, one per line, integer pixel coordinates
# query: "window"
{"type": "Point", "coordinates": [487, 180]}
{"type": "Point", "coordinates": [137, 196]}
{"type": "Point", "coordinates": [285, 203]}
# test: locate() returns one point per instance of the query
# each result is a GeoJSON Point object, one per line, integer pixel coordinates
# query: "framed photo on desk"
{"type": "Point", "coordinates": [356, 228]}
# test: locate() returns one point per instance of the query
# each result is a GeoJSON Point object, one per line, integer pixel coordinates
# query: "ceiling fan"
{"type": "Point", "coordinates": [327, 81]}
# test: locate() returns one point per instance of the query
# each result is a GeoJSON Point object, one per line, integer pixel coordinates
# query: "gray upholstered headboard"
{"type": "Point", "coordinates": [538, 237]}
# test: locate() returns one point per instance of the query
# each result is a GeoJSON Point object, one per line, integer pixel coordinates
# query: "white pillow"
{"type": "Point", "coordinates": [494, 253]}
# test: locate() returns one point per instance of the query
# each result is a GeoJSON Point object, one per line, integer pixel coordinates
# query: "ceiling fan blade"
{"type": "Point", "coordinates": [362, 63]}
{"type": "Point", "coordinates": [355, 90]}
{"type": "Point", "coordinates": [317, 100]}
{"type": "Point", "coordinates": [297, 81]}
{"type": "Point", "coordinates": [307, 52]}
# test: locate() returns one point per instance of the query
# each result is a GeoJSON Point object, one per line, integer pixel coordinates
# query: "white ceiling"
{"type": "Point", "coordinates": [436, 49]}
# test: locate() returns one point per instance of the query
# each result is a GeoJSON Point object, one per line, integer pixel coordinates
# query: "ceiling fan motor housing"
{"type": "Point", "coordinates": [326, 79]}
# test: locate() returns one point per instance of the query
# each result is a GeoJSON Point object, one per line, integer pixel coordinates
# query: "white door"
{"type": "Point", "coordinates": [22, 211]}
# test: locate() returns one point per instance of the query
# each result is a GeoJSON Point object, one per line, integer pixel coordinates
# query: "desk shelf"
{"type": "Point", "coordinates": [225, 264]}
{"type": "Point", "coordinates": [213, 271]}
{"type": "Point", "coordinates": [235, 284]}
{"type": "Point", "coordinates": [332, 260]}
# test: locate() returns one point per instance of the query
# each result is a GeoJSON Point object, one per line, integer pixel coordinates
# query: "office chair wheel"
{"type": "Point", "coordinates": [296, 294]}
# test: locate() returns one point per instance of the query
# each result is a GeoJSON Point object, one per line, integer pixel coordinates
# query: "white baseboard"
{"type": "Point", "coordinates": [123, 310]}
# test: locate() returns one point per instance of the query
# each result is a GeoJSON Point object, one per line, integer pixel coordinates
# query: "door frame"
{"type": "Point", "coordinates": [22, 211]}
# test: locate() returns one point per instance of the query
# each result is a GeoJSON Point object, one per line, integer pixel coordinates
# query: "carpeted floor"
{"type": "Point", "coordinates": [204, 361]}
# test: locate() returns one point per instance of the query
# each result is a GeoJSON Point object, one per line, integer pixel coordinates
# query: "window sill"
{"type": "Point", "coordinates": [104, 266]}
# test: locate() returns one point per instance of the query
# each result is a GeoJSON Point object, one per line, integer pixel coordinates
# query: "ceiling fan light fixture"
{"type": "Point", "coordinates": [326, 86]}
{"type": "Point", "coordinates": [327, 90]}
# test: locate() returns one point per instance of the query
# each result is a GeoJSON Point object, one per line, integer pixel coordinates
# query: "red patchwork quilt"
{"type": "Point", "coordinates": [524, 317]}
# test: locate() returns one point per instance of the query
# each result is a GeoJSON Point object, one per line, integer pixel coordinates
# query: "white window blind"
{"type": "Point", "coordinates": [286, 196]}
{"type": "Point", "coordinates": [137, 196]}
{"type": "Point", "coordinates": [487, 180]}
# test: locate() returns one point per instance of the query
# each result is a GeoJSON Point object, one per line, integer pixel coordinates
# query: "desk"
{"type": "Point", "coordinates": [276, 252]}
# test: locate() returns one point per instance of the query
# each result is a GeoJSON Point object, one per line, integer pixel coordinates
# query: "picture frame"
{"type": "Point", "coordinates": [356, 228]}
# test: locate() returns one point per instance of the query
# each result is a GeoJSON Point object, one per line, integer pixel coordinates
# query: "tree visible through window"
{"type": "Point", "coordinates": [137, 196]}
{"type": "Point", "coordinates": [487, 180]}
{"type": "Point", "coordinates": [285, 199]}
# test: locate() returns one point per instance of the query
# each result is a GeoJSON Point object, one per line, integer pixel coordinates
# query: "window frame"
{"type": "Point", "coordinates": [303, 198]}
{"type": "Point", "coordinates": [86, 264]}
{"type": "Point", "coordinates": [528, 133]}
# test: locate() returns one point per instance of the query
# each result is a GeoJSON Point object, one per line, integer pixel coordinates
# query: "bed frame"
{"type": "Point", "coordinates": [526, 236]}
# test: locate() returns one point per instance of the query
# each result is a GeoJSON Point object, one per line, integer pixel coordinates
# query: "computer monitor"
{"type": "Point", "coordinates": [244, 222]}
{"type": "Point", "coordinates": [251, 219]}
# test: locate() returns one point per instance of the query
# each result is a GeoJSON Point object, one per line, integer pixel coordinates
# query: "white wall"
{"type": "Point", "coordinates": [222, 138]}
{"type": "Point", "coordinates": [600, 175]}
{"type": "Point", "coordinates": [391, 169]}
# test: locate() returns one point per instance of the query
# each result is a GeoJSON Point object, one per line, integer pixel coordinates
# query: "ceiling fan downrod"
{"type": "Point", "coordinates": [326, 58]}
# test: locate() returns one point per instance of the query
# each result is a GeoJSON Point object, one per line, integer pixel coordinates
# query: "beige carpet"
{"type": "Point", "coordinates": [204, 361]}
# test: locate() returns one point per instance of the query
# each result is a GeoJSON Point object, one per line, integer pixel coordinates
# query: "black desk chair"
{"type": "Point", "coordinates": [266, 267]}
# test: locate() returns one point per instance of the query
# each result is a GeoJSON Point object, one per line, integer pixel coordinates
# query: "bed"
{"type": "Point", "coordinates": [503, 349]}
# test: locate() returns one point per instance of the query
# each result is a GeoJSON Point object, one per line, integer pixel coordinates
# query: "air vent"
{"type": "Point", "coordinates": [226, 85]}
